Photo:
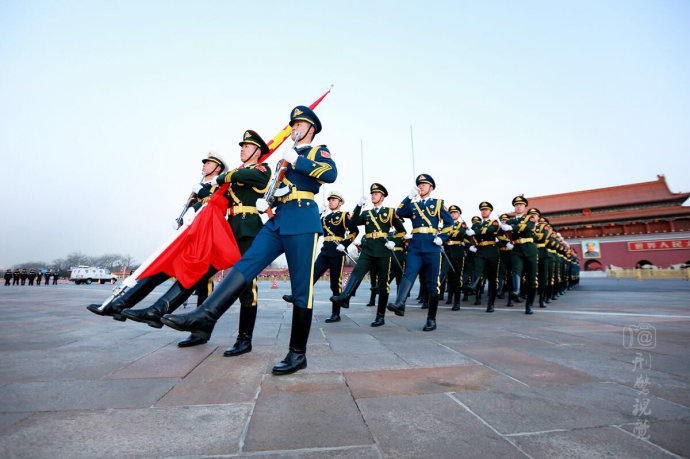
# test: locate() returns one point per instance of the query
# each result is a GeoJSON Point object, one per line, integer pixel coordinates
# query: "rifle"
{"type": "Point", "coordinates": [281, 167]}
{"type": "Point", "coordinates": [187, 205]}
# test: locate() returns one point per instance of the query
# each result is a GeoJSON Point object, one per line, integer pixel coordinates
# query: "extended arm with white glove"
{"type": "Point", "coordinates": [506, 227]}
{"type": "Point", "coordinates": [390, 245]}
{"type": "Point", "coordinates": [470, 232]}
{"type": "Point", "coordinates": [261, 205]}
{"type": "Point", "coordinates": [290, 155]}
{"type": "Point", "coordinates": [340, 248]}
{"type": "Point", "coordinates": [473, 249]}
{"type": "Point", "coordinates": [438, 241]}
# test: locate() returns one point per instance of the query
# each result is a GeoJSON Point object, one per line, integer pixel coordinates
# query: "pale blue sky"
{"type": "Point", "coordinates": [106, 108]}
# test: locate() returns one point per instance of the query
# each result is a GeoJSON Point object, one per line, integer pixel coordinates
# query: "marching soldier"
{"type": "Point", "coordinates": [456, 252]}
{"type": "Point", "coordinates": [32, 277]}
{"type": "Point", "coordinates": [8, 276]}
{"type": "Point", "coordinates": [487, 257]}
{"type": "Point", "coordinates": [504, 266]}
{"type": "Point", "coordinates": [376, 253]}
{"type": "Point", "coordinates": [541, 233]}
{"type": "Point", "coordinates": [293, 230]}
{"type": "Point", "coordinates": [23, 275]}
{"type": "Point", "coordinates": [524, 253]}
{"type": "Point", "coordinates": [336, 225]}
{"type": "Point", "coordinates": [247, 184]}
{"type": "Point", "coordinates": [426, 245]}
{"type": "Point", "coordinates": [468, 275]}
{"type": "Point", "coordinates": [176, 295]}
{"type": "Point", "coordinates": [400, 253]}
{"type": "Point", "coordinates": [46, 277]}
{"type": "Point", "coordinates": [56, 274]}
{"type": "Point", "coordinates": [15, 276]}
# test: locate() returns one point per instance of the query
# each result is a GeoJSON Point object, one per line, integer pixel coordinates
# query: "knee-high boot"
{"type": "Point", "coordinates": [343, 299]}
{"type": "Point", "coordinates": [381, 310]}
{"type": "Point", "coordinates": [372, 298]}
{"type": "Point", "coordinates": [515, 294]}
{"type": "Point", "coordinates": [456, 300]}
{"type": "Point", "coordinates": [399, 306]}
{"type": "Point", "coordinates": [129, 298]}
{"type": "Point", "coordinates": [243, 344]}
{"type": "Point", "coordinates": [202, 320]}
{"type": "Point", "coordinates": [431, 315]}
{"type": "Point", "coordinates": [335, 313]}
{"type": "Point", "coordinates": [166, 304]}
{"type": "Point", "coordinates": [296, 358]}
{"type": "Point", "coordinates": [530, 299]}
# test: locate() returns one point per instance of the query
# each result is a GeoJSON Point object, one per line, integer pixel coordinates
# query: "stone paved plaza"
{"type": "Point", "coordinates": [578, 379]}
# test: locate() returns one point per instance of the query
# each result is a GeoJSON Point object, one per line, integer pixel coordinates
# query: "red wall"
{"type": "Point", "coordinates": [616, 253]}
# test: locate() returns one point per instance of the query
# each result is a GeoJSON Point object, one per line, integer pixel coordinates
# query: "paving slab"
{"type": "Point", "coordinates": [150, 432]}
{"type": "Point", "coordinates": [168, 362]}
{"type": "Point", "coordinates": [418, 381]}
{"type": "Point", "coordinates": [347, 452]}
{"type": "Point", "coordinates": [537, 409]}
{"type": "Point", "coordinates": [605, 442]}
{"type": "Point", "coordinates": [670, 435]}
{"type": "Point", "coordinates": [307, 411]}
{"type": "Point", "coordinates": [527, 368]}
{"type": "Point", "coordinates": [431, 426]}
{"type": "Point", "coordinates": [83, 395]}
{"type": "Point", "coordinates": [220, 380]}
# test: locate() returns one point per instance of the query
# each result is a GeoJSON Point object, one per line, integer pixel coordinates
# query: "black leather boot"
{"type": "Point", "coordinates": [478, 296]}
{"type": "Point", "coordinates": [287, 298]}
{"type": "Point", "coordinates": [192, 340]}
{"type": "Point", "coordinates": [243, 344]}
{"type": "Point", "coordinates": [456, 300]}
{"type": "Point", "coordinates": [431, 316]}
{"type": "Point", "coordinates": [166, 304]}
{"type": "Point", "coordinates": [372, 297]}
{"type": "Point", "coordinates": [451, 292]}
{"type": "Point", "coordinates": [343, 299]}
{"type": "Point", "coordinates": [501, 289]}
{"type": "Point", "coordinates": [202, 320]}
{"type": "Point", "coordinates": [129, 298]}
{"type": "Point", "coordinates": [425, 303]}
{"type": "Point", "coordinates": [380, 310]}
{"type": "Point", "coordinates": [296, 358]}
{"type": "Point", "coordinates": [530, 300]}
{"type": "Point", "coordinates": [399, 306]}
{"type": "Point", "coordinates": [335, 313]}
{"type": "Point", "coordinates": [542, 302]}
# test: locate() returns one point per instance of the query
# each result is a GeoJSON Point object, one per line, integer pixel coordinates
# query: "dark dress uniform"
{"type": "Point", "coordinates": [505, 247]}
{"type": "Point", "coordinates": [487, 258]}
{"type": "Point", "coordinates": [468, 274]}
{"type": "Point", "coordinates": [23, 275]}
{"type": "Point", "coordinates": [15, 277]}
{"type": "Point", "coordinates": [427, 216]}
{"type": "Point", "coordinates": [32, 277]}
{"type": "Point", "coordinates": [176, 295]}
{"type": "Point", "coordinates": [456, 252]}
{"type": "Point", "coordinates": [336, 227]}
{"type": "Point", "coordinates": [294, 231]}
{"type": "Point", "coordinates": [400, 253]}
{"type": "Point", "coordinates": [8, 276]}
{"type": "Point", "coordinates": [375, 256]}
{"type": "Point", "coordinates": [541, 234]}
{"type": "Point", "coordinates": [524, 255]}
{"type": "Point", "coordinates": [56, 274]}
{"type": "Point", "coordinates": [46, 277]}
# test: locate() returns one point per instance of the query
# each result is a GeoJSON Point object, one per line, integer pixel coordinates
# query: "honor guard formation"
{"type": "Point", "coordinates": [516, 257]}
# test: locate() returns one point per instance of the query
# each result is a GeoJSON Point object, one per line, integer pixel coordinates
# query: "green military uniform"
{"type": "Point", "coordinates": [487, 257]}
{"type": "Point", "coordinates": [375, 255]}
{"type": "Point", "coordinates": [541, 234]}
{"type": "Point", "coordinates": [468, 274]}
{"type": "Point", "coordinates": [524, 254]}
{"type": "Point", "coordinates": [505, 247]}
{"type": "Point", "coordinates": [400, 253]}
{"type": "Point", "coordinates": [247, 184]}
{"type": "Point", "coordinates": [455, 249]}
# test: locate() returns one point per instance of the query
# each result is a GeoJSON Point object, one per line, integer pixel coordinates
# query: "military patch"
{"type": "Point", "coordinates": [261, 168]}
{"type": "Point", "coordinates": [247, 135]}
{"type": "Point", "coordinates": [495, 223]}
{"type": "Point", "coordinates": [325, 154]}
{"type": "Point", "coordinates": [297, 112]}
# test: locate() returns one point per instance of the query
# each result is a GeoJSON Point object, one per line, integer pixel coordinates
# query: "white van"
{"type": "Point", "coordinates": [88, 274]}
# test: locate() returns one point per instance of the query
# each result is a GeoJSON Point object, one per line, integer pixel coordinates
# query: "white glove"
{"type": "Point", "coordinates": [196, 187]}
{"type": "Point", "coordinates": [408, 236]}
{"type": "Point", "coordinates": [473, 249]}
{"type": "Point", "coordinates": [189, 216]}
{"type": "Point", "coordinates": [509, 246]}
{"type": "Point", "coordinates": [290, 155]}
{"type": "Point", "coordinates": [470, 232]}
{"type": "Point", "coordinates": [261, 205]}
{"type": "Point", "coordinates": [340, 248]}
{"type": "Point", "coordinates": [414, 191]}
{"type": "Point", "coordinates": [506, 227]}
{"type": "Point", "coordinates": [362, 201]}
{"type": "Point", "coordinates": [438, 241]}
{"type": "Point", "coordinates": [390, 245]}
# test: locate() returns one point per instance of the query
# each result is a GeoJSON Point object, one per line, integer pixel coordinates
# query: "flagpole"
{"type": "Point", "coordinates": [361, 151]}
{"type": "Point", "coordinates": [414, 170]}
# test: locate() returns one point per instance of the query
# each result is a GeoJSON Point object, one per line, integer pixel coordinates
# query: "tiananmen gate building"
{"type": "Point", "coordinates": [626, 226]}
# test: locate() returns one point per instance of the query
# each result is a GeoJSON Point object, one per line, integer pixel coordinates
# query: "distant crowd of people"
{"type": "Point", "coordinates": [33, 276]}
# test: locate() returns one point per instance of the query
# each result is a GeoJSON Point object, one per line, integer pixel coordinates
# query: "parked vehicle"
{"type": "Point", "coordinates": [88, 274]}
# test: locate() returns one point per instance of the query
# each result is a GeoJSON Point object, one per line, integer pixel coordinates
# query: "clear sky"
{"type": "Point", "coordinates": [107, 108]}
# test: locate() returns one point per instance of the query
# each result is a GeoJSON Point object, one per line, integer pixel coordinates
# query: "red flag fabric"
{"type": "Point", "coordinates": [207, 241]}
